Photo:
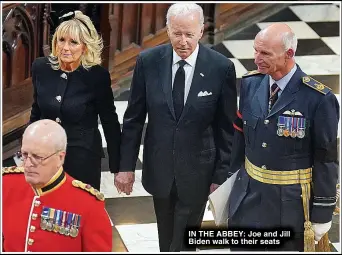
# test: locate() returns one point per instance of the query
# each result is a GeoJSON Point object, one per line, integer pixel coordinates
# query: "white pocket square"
{"type": "Point", "coordinates": [204, 94]}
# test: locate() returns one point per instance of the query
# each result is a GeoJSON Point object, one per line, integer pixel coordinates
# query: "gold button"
{"type": "Point", "coordinates": [32, 228]}
{"type": "Point", "coordinates": [37, 203]}
{"type": "Point", "coordinates": [34, 216]}
{"type": "Point", "coordinates": [58, 120]}
{"type": "Point", "coordinates": [266, 122]}
{"type": "Point", "coordinates": [264, 145]}
{"type": "Point", "coordinates": [263, 167]}
{"type": "Point", "coordinates": [30, 241]}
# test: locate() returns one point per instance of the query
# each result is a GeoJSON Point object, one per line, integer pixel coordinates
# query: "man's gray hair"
{"type": "Point", "coordinates": [290, 41]}
{"type": "Point", "coordinates": [184, 9]}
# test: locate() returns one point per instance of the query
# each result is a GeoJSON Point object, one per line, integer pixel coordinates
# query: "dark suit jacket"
{"type": "Point", "coordinates": [195, 151]}
{"type": "Point", "coordinates": [84, 96]}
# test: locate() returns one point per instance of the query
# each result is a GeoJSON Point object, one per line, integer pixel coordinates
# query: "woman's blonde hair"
{"type": "Point", "coordinates": [78, 29]}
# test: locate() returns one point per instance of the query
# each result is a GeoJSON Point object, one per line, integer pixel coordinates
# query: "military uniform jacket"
{"type": "Point", "coordinates": [307, 105]}
{"type": "Point", "coordinates": [76, 100]}
{"type": "Point", "coordinates": [63, 199]}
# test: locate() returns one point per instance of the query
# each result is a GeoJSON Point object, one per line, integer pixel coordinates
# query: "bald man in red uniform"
{"type": "Point", "coordinates": [45, 209]}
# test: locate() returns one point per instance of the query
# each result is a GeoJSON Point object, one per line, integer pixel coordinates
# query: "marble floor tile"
{"type": "Point", "coordinates": [240, 49]}
{"type": "Point", "coordinates": [140, 156]}
{"type": "Point", "coordinates": [123, 96]}
{"type": "Point", "coordinates": [337, 246]}
{"type": "Point", "coordinates": [143, 238]}
{"type": "Point", "coordinates": [208, 215]}
{"type": "Point", "coordinates": [319, 64]}
{"type": "Point", "coordinates": [300, 28]}
{"type": "Point", "coordinates": [314, 13]}
{"type": "Point", "coordinates": [132, 210]}
{"type": "Point", "coordinates": [245, 34]}
{"type": "Point", "coordinates": [326, 29]}
{"type": "Point", "coordinates": [140, 238]}
{"type": "Point", "coordinates": [223, 50]}
{"type": "Point", "coordinates": [249, 64]}
{"type": "Point", "coordinates": [104, 142]}
{"type": "Point", "coordinates": [313, 47]}
{"type": "Point", "coordinates": [284, 15]}
{"type": "Point", "coordinates": [334, 43]}
{"type": "Point", "coordinates": [121, 107]}
{"type": "Point", "coordinates": [109, 190]}
{"type": "Point", "coordinates": [239, 68]}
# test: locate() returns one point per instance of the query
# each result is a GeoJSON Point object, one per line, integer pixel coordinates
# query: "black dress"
{"type": "Point", "coordinates": [75, 100]}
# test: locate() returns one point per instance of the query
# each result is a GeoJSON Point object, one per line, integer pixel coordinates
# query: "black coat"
{"type": "Point", "coordinates": [76, 102]}
{"type": "Point", "coordinates": [195, 151]}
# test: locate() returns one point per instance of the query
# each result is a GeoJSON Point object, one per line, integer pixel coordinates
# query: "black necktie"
{"type": "Point", "coordinates": [178, 89]}
{"type": "Point", "coordinates": [274, 95]}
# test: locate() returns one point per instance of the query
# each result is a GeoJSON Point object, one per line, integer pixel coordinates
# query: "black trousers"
{"type": "Point", "coordinates": [83, 165]}
{"type": "Point", "coordinates": [173, 218]}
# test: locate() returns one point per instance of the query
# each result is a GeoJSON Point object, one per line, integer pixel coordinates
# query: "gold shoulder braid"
{"type": "Point", "coordinates": [12, 170]}
{"type": "Point", "coordinates": [250, 73]}
{"type": "Point", "coordinates": [89, 188]}
{"type": "Point", "coordinates": [316, 85]}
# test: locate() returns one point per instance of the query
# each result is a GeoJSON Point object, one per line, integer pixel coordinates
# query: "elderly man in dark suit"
{"type": "Point", "coordinates": [189, 94]}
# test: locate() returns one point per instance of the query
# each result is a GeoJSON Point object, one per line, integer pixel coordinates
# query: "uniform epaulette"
{"type": "Point", "coordinates": [250, 73]}
{"type": "Point", "coordinates": [89, 188]}
{"type": "Point", "coordinates": [316, 85]}
{"type": "Point", "coordinates": [12, 170]}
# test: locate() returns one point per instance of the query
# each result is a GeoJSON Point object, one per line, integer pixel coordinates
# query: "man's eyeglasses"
{"type": "Point", "coordinates": [35, 159]}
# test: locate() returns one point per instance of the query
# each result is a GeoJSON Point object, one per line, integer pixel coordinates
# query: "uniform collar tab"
{"type": "Point", "coordinates": [55, 182]}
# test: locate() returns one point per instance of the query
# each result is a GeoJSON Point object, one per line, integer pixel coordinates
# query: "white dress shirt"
{"type": "Point", "coordinates": [283, 81]}
{"type": "Point", "coordinates": [189, 69]}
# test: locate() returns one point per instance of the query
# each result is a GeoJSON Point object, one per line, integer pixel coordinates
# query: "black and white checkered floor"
{"type": "Point", "coordinates": [318, 54]}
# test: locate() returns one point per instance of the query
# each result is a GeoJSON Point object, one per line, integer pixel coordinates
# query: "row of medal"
{"type": "Point", "coordinates": [290, 126]}
{"type": "Point", "coordinates": [58, 221]}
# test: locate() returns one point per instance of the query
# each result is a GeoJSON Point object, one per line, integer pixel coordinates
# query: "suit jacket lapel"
{"type": "Point", "coordinates": [203, 68]}
{"type": "Point", "coordinates": [165, 76]}
{"type": "Point", "coordinates": [289, 93]}
{"type": "Point", "coordinates": [262, 95]}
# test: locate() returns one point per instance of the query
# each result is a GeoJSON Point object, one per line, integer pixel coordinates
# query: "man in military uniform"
{"type": "Point", "coordinates": [46, 210]}
{"type": "Point", "coordinates": [285, 145]}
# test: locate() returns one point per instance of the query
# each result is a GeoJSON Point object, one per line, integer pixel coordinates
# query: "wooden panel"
{"type": "Point", "coordinates": [19, 68]}
{"type": "Point", "coordinates": [160, 20]}
{"type": "Point", "coordinates": [9, 6]}
{"type": "Point", "coordinates": [147, 21]}
{"type": "Point", "coordinates": [5, 70]}
{"type": "Point", "coordinates": [160, 37]}
{"type": "Point", "coordinates": [131, 52]}
{"type": "Point", "coordinates": [105, 32]}
{"type": "Point", "coordinates": [16, 121]}
{"type": "Point", "coordinates": [24, 26]}
{"type": "Point", "coordinates": [130, 23]}
{"type": "Point", "coordinates": [17, 98]}
{"type": "Point", "coordinates": [226, 15]}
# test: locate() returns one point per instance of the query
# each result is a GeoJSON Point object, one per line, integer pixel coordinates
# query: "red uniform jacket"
{"type": "Point", "coordinates": [64, 216]}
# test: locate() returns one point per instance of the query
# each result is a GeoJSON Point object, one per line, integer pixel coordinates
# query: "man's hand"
{"type": "Point", "coordinates": [213, 187]}
{"type": "Point", "coordinates": [320, 229]}
{"type": "Point", "coordinates": [123, 181]}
